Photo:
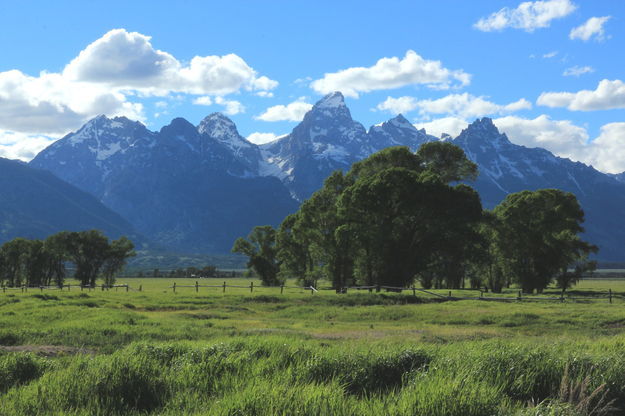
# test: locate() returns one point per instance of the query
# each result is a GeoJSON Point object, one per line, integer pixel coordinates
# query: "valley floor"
{"type": "Point", "coordinates": [239, 353]}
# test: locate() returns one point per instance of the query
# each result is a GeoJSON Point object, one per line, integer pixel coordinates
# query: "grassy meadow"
{"type": "Point", "coordinates": [157, 352]}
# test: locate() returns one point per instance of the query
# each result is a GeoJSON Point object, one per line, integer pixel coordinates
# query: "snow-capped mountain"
{"type": "Point", "coordinates": [189, 188]}
{"type": "Point", "coordinates": [197, 188]}
{"type": "Point", "coordinates": [329, 139]}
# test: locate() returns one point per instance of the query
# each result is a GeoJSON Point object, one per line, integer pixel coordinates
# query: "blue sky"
{"type": "Point", "coordinates": [550, 73]}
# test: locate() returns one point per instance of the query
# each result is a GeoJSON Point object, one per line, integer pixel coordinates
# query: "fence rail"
{"type": "Point", "coordinates": [609, 295]}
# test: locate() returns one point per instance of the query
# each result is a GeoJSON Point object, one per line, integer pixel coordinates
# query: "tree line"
{"type": "Point", "coordinates": [43, 262]}
{"type": "Point", "coordinates": [398, 217]}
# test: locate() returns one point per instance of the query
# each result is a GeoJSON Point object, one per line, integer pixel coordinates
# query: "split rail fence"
{"type": "Point", "coordinates": [609, 296]}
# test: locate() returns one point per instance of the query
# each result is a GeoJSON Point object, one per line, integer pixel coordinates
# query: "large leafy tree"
{"type": "Point", "coordinates": [379, 223]}
{"type": "Point", "coordinates": [260, 248]}
{"type": "Point", "coordinates": [116, 257]}
{"type": "Point", "coordinates": [538, 237]}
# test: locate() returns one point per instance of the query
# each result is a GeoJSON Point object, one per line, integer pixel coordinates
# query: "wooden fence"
{"type": "Point", "coordinates": [197, 287]}
{"type": "Point", "coordinates": [609, 296]}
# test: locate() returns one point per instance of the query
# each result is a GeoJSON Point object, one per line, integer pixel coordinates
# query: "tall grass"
{"type": "Point", "coordinates": [259, 376]}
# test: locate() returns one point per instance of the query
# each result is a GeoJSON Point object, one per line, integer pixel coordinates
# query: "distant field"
{"type": "Point", "coordinates": [239, 353]}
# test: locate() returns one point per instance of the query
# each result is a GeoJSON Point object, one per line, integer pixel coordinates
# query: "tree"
{"type": "Point", "coordinates": [404, 222]}
{"type": "Point", "coordinates": [538, 236]}
{"type": "Point", "coordinates": [116, 256]}
{"type": "Point", "coordinates": [260, 247]}
{"type": "Point", "coordinates": [447, 161]}
{"type": "Point", "coordinates": [14, 254]}
{"type": "Point", "coordinates": [380, 219]}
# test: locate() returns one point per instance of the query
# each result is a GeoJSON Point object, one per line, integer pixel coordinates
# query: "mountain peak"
{"type": "Point", "coordinates": [483, 124]}
{"type": "Point", "coordinates": [218, 126]}
{"type": "Point", "coordinates": [401, 122]}
{"type": "Point", "coordinates": [333, 100]}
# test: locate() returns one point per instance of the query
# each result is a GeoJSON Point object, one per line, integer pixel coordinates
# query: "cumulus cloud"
{"type": "Point", "coordinates": [231, 107]}
{"type": "Point", "coordinates": [51, 104]}
{"type": "Point", "coordinates": [606, 152]}
{"type": "Point", "coordinates": [22, 146]}
{"type": "Point", "coordinates": [109, 74]}
{"type": "Point", "coordinates": [576, 71]}
{"type": "Point", "coordinates": [128, 60]}
{"type": "Point", "coordinates": [607, 95]}
{"type": "Point", "coordinates": [528, 16]}
{"type": "Point", "coordinates": [398, 105]}
{"type": "Point", "coordinates": [445, 125]}
{"type": "Point", "coordinates": [550, 55]}
{"type": "Point", "coordinates": [561, 137]}
{"type": "Point", "coordinates": [463, 106]}
{"type": "Point", "coordinates": [389, 73]}
{"type": "Point", "coordinates": [591, 29]}
{"type": "Point", "coordinates": [261, 138]}
{"type": "Point", "coordinates": [203, 100]}
{"type": "Point", "coordinates": [609, 148]}
{"type": "Point", "coordinates": [294, 111]}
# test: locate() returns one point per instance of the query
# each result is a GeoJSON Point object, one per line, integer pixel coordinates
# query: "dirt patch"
{"type": "Point", "coordinates": [47, 350]}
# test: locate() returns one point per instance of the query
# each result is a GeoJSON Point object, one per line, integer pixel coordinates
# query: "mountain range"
{"type": "Point", "coordinates": [197, 188]}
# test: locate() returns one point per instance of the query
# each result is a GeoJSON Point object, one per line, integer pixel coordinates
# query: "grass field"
{"type": "Point", "coordinates": [239, 353]}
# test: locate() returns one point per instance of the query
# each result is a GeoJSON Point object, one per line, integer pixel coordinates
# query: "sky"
{"type": "Point", "coordinates": [550, 73]}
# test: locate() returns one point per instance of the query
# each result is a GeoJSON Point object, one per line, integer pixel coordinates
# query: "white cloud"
{"type": "Point", "coordinates": [264, 94]}
{"type": "Point", "coordinates": [294, 111]}
{"type": "Point", "coordinates": [561, 137]}
{"type": "Point", "coordinates": [261, 138]}
{"type": "Point", "coordinates": [609, 148]}
{"type": "Point", "coordinates": [463, 106]}
{"type": "Point", "coordinates": [398, 105]}
{"type": "Point", "coordinates": [50, 104]}
{"type": "Point", "coordinates": [203, 100]}
{"type": "Point", "coordinates": [446, 125]}
{"type": "Point", "coordinates": [107, 74]}
{"type": "Point", "coordinates": [550, 55]}
{"type": "Point", "coordinates": [389, 73]}
{"type": "Point", "coordinates": [22, 146]}
{"type": "Point", "coordinates": [576, 71]}
{"type": "Point", "coordinates": [592, 28]}
{"type": "Point", "coordinates": [608, 95]}
{"type": "Point", "coordinates": [528, 16]}
{"type": "Point", "coordinates": [128, 60]}
{"type": "Point", "coordinates": [606, 152]}
{"type": "Point", "coordinates": [232, 107]}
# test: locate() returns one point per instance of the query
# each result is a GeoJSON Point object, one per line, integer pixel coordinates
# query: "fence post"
{"type": "Point", "coordinates": [281, 289]}
{"type": "Point", "coordinates": [41, 288]}
{"type": "Point", "coordinates": [126, 287]}
{"type": "Point", "coordinates": [224, 291]}
{"type": "Point", "coordinates": [312, 290]}
{"type": "Point", "coordinates": [519, 297]}
{"type": "Point", "coordinates": [251, 287]}
{"type": "Point", "coordinates": [81, 287]}
{"type": "Point", "coordinates": [480, 294]}
{"type": "Point", "coordinates": [610, 294]}
{"type": "Point", "coordinates": [196, 287]}
{"type": "Point", "coordinates": [450, 294]}
{"type": "Point", "coordinates": [140, 287]}
{"type": "Point", "coordinates": [174, 287]}
{"type": "Point", "coordinates": [414, 291]}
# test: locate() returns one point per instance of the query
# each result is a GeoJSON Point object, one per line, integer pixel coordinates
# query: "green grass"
{"type": "Point", "coordinates": [156, 352]}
